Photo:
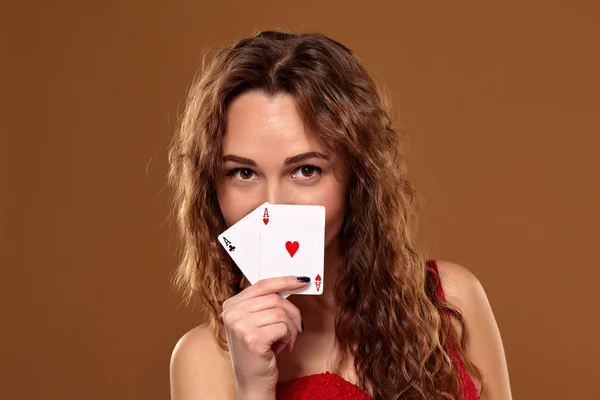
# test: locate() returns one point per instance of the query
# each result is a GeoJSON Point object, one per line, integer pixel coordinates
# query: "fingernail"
{"type": "Point", "coordinates": [302, 325]}
{"type": "Point", "coordinates": [304, 279]}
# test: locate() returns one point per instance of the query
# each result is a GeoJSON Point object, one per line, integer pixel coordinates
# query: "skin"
{"type": "Point", "coordinates": [268, 132]}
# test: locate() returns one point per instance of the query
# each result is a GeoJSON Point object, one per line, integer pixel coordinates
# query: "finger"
{"type": "Point", "coordinates": [268, 286]}
{"type": "Point", "coordinates": [239, 312]}
{"type": "Point", "coordinates": [274, 316]}
{"type": "Point", "coordinates": [261, 303]}
{"type": "Point", "coordinates": [274, 333]}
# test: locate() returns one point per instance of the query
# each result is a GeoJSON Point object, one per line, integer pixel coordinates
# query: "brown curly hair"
{"type": "Point", "coordinates": [394, 327]}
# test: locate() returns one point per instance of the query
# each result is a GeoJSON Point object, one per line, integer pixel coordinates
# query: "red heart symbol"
{"type": "Point", "coordinates": [266, 220]}
{"type": "Point", "coordinates": [292, 248]}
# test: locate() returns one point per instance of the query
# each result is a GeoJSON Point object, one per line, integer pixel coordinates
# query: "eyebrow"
{"type": "Point", "coordinates": [290, 160]}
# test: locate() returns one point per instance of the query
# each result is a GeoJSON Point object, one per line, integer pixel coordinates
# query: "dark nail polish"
{"type": "Point", "coordinates": [302, 325]}
{"type": "Point", "coordinates": [304, 279]}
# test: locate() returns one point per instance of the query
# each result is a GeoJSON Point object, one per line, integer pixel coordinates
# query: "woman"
{"type": "Point", "coordinates": [382, 328]}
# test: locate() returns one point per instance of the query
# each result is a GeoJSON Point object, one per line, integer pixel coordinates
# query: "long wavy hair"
{"type": "Point", "coordinates": [390, 322]}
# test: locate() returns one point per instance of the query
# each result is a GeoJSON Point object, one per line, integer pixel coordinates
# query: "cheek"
{"type": "Point", "coordinates": [232, 206]}
{"type": "Point", "coordinates": [333, 224]}
{"type": "Point", "coordinates": [335, 205]}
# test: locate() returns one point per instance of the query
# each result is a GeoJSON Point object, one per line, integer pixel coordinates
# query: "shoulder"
{"type": "Point", "coordinates": [199, 368]}
{"type": "Point", "coordinates": [464, 291]}
{"type": "Point", "coordinates": [484, 347]}
{"type": "Point", "coordinates": [461, 287]}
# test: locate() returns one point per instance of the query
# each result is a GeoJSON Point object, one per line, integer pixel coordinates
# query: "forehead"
{"type": "Point", "coordinates": [256, 123]}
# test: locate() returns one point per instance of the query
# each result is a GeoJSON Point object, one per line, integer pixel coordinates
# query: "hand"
{"type": "Point", "coordinates": [259, 324]}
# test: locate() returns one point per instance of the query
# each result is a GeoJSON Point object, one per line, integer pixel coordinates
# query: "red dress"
{"type": "Point", "coordinates": [328, 386]}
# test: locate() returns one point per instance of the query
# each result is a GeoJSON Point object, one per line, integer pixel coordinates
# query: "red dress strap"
{"type": "Point", "coordinates": [468, 389]}
{"type": "Point", "coordinates": [438, 288]}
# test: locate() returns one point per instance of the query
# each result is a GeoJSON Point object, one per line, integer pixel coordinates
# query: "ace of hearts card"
{"type": "Point", "coordinates": [293, 243]}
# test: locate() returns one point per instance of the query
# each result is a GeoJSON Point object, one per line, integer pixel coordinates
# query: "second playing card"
{"type": "Point", "coordinates": [293, 243]}
{"type": "Point", "coordinates": [242, 242]}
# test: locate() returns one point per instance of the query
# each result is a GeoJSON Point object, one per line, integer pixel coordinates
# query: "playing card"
{"type": "Point", "coordinates": [242, 242]}
{"type": "Point", "coordinates": [293, 243]}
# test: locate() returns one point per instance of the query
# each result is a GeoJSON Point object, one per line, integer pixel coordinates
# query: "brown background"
{"type": "Point", "coordinates": [502, 104]}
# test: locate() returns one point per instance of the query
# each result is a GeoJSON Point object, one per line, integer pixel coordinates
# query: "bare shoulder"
{"type": "Point", "coordinates": [463, 290]}
{"type": "Point", "coordinates": [461, 286]}
{"type": "Point", "coordinates": [199, 368]}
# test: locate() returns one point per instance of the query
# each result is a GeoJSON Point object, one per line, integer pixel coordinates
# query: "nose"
{"type": "Point", "coordinates": [277, 192]}
{"type": "Point", "coordinates": [273, 194]}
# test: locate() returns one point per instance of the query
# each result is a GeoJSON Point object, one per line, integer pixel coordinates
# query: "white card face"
{"type": "Point", "coordinates": [242, 242]}
{"type": "Point", "coordinates": [293, 243]}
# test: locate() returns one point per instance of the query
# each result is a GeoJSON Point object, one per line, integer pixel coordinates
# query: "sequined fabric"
{"type": "Point", "coordinates": [325, 386]}
{"type": "Point", "coordinates": [328, 386]}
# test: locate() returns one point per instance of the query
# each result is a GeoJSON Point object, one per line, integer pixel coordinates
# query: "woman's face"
{"type": "Point", "coordinates": [268, 155]}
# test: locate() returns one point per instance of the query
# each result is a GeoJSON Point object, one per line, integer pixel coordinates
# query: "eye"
{"type": "Point", "coordinates": [243, 174]}
{"type": "Point", "coordinates": [308, 171]}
